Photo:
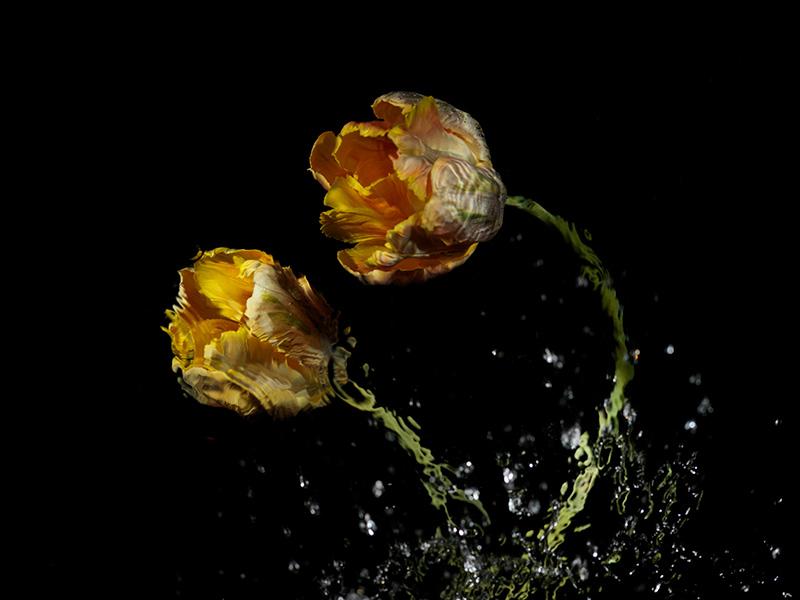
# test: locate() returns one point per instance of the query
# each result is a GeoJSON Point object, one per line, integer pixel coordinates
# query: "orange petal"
{"type": "Point", "coordinates": [376, 264]}
{"type": "Point", "coordinates": [323, 165]}
{"type": "Point", "coordinates": [393, 106]}
{"type": "Point", "coordinates": [367, 158]}
{"type": "Point", "coordinates": [395, 192]}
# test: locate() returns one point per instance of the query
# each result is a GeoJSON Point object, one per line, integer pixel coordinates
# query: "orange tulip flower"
{"type": "Point", "coordinates": [415, 192]}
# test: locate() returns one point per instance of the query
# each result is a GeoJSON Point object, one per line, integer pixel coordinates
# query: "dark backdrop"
{"type": "Point", "coordinates": [670, 164]}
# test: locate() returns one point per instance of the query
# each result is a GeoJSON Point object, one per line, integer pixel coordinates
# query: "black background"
{"type": "Point", "coordinates": [671, 163]}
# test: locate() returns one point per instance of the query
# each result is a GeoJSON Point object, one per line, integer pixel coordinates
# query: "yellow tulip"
{"type": "Point", "coordinates": [415, 192]}
{"type": "Point", "coordinates": [248, 335]}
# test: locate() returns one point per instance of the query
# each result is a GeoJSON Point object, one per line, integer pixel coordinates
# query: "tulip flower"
{"type": "Point", "coordinates": [248, 335]}
{"type": "Point", "coordinates": [415, 192]}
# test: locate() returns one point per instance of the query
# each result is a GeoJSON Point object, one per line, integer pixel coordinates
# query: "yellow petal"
{"type": "Point", "coordinates": [392, 107]}
{"type": "Point", "coordinates": [261, 371]}
{"type": "Point", "coordinates": [323, 164]}
{"type": "Point", "coordinates": [349, 196]}
{"type": "Point", "coordinates": [351, 227]}
{"type": "Point", "coordinates": [220, 281]}
{"type": "Point", "coordinates": [368, 129]}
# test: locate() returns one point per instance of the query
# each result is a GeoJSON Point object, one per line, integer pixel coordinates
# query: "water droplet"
{"type": "Point", "coordinates": [690, 425]}
{"type": "Point", "coordinates": [705, 408]}
{"type": "Point", "coordinates": [551, 358]}
{"type": "Point", "coordinates": [508, 477]}
{"type": "Point", "coordinates": [377, 489]}
{"type": "Point", "coordinates": [581, 568]}
{"type": "Point", "coordinates": [312, 506]}
{"type": "Point", "coordinates": [628, 412]}
{"type": "Point", "coordinates": [534, 507]}
{"type": "Point", "coordinates": [570, 438]}
{"type": "Point", "coordinates": [366, 524]}
{"type": "Point", "coordinates": [471, 564]}
{"type": "Point", "coordinates": [466, 469]}
{"type": "Point", "coordinates": [670, 349]}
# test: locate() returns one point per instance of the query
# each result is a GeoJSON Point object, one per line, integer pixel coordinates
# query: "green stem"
{"type": "Point", "coordinates": [593, 271]}
{"type": "Point", "coordinates": [436, 482]}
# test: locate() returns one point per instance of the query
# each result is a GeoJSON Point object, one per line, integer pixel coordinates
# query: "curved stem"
{"type": "Point", "coordinates": [608, 415]}
{"type": "Point", "coordinates": [436, 482]}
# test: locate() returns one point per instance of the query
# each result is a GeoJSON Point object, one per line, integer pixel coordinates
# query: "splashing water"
{"type": "Point", "coordinates": [625, 539]}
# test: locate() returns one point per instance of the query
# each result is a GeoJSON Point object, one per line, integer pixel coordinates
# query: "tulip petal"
{"type": "Point", "coordinates": [367, 158]}
{"type": "Point", "coordinates": [348, 195]}
{"type": "Point", "coordinates": [379, 265]}
{"type": "Point", "coordinates": [219, 280]}
{"type": "Point", "coordinates": [392, 107]}
{"type": "Point", "coordinates": [262, 371]}
{"type": "Point", "coordinates": [323, 164]}
{"type": "Point", "coordinates": [369, 129]}
{"type": "Point", "coordinates": [393, 191]}
{"type": "Point", "coordinates": [466, 203]}
{"type": "Point", "coordinates": [351, 227]}
{"type": "Point", "coordinates": [288, 314]}
{"type": "Point", "coordinates": [215, 389]}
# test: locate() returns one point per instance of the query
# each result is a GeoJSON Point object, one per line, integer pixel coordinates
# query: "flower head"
{"type": "Point", "coordinates": [415, 192]}
{"type": "Point", "coordinates": [248, 335]}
